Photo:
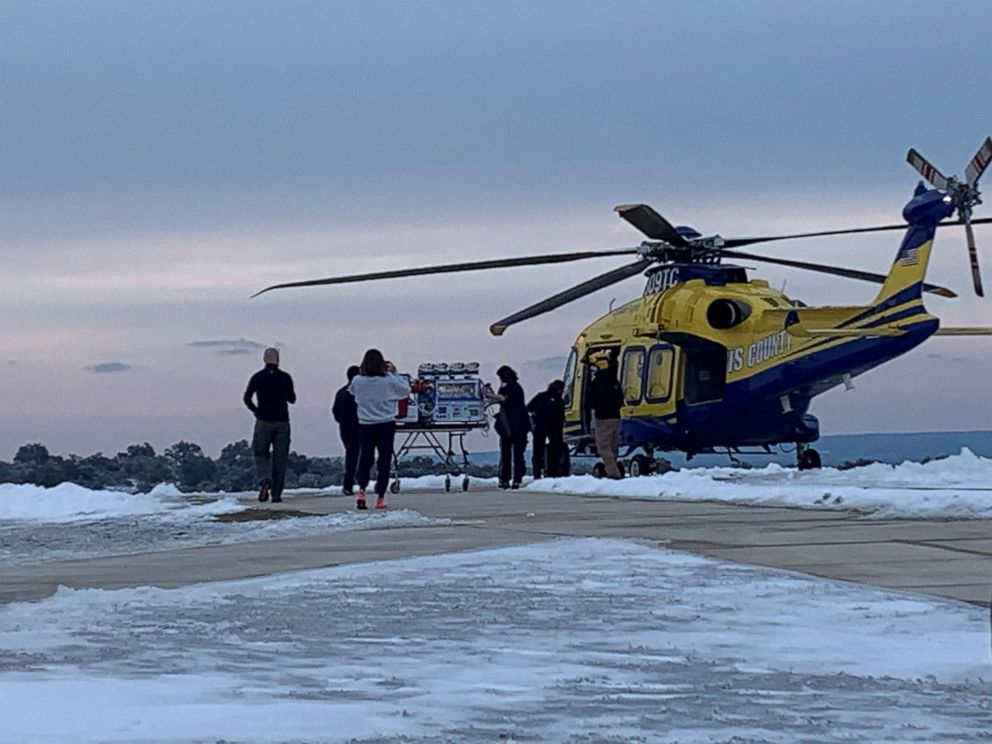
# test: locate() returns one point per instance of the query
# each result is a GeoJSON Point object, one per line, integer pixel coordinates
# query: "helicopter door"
{"type": "Point", "coordinates": [705, 373]}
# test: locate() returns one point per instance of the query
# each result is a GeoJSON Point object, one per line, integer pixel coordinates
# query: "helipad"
{"type": "Point", "coordinates": [950, 559]}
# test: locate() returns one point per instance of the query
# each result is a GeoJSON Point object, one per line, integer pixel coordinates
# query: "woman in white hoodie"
{"type": "Point", "coordinates": [376, 388]}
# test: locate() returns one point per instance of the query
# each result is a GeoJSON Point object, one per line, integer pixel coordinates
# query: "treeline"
{"type": "Point", "coordinates": [140, 468]}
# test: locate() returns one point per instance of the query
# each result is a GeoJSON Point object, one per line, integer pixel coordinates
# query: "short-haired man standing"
{"type": "Point", "coordinates": [607, 400]}
{"type": "Point", "coordinates": [345, 412]}
{"type": "Point", "coordinates": [273, 391]}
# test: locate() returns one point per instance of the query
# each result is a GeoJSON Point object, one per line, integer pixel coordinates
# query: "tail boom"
{"type": "Point", "coordinates": [909, 269]}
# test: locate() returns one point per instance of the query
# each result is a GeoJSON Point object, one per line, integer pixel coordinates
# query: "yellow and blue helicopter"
{"type": "Point", "coordinates": [711, 360]}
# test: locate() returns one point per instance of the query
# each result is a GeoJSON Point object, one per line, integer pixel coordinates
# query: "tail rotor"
{"type": "Point", "coordinates": [965, 196]}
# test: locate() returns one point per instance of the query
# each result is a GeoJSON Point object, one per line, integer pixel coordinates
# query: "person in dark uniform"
{"type": "Point", "coordinates": [547, 411]}
{"type": "Point", "coordinates": [607, 400]}
{"type": "Point", "coordinates": [273, 391]}
{"type": "Point", "coordinates": [512, 426]}
{"type": "Point", "coordinates": [345, 412]}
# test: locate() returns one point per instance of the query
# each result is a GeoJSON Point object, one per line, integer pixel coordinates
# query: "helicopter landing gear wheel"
{"type": "Point", "coordinates": [599, 470]}
{"type": "Point", "coordinates": [640, 465]}
{"type": "Point", "coordinates": [394, 487]}
{"type": "Point", "coordinates": [809, 459]}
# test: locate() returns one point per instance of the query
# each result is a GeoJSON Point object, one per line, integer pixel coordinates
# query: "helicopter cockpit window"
{"type": "Point", "coordinates": [660, 373]}
{"type": "Point", "coordinates": [632, 375]}
{"type": "Point", "coordinates": [569, 378]}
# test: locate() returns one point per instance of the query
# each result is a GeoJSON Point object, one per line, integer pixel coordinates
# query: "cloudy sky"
{"type": "Point", "coordinates": [161, 161]}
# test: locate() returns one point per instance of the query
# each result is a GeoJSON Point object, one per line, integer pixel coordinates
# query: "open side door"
{"type": "Point", "coordinates": [587, 375]}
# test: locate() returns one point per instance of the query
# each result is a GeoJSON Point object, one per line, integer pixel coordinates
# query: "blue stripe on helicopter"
{"type": "Point", "coordinates": [750, 411]}
{"type": "Point", "coordinates": [901, 297]}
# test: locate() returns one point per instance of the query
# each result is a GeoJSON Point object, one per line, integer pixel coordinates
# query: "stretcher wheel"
{"type": "Point", "coordinates": [394, 487]}
{"type": "Point", "coordinates": [447, 483]}
{"type": "Point", "coordinates": [465, 484]}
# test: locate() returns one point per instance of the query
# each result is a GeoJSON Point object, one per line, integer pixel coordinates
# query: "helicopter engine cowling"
{"type": "Point", "coordinates": [724, 313]}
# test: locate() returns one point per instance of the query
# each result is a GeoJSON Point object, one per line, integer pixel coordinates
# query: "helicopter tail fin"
{"type": "Point", "coordinates": [904, 281]}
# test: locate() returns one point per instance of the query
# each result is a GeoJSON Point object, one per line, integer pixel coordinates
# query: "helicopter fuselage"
{"type": "Point", "coordinates": [708, 359]}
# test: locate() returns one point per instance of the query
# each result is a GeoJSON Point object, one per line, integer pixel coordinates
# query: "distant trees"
{"type": "Point", "coordinates": [194, 471]}
{"type": "Point", "coordinates": [140, 468]}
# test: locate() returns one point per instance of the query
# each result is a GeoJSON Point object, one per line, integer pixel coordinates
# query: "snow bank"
{"type": "Point", "coordinates": [953, 487]}
{"type": "Point", "coordinates": [68, 502]}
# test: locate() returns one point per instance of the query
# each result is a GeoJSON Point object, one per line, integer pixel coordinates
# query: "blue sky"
{"type": "Point", "coordinates": [160, 161]}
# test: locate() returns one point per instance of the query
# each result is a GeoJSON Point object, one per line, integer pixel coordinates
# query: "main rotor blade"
{"type": "Point", "coordinates": [979, 163]}
{"type": "Point", "coordinates": [976, 276]}
{"type": "Point", "coordinates": [573, 293]}
{"type": "Point", "coordinates": [865, 276]}
{"type": "Point", "coordinates": [652, 224]}
{"type": "Point", "coordinates": [738, 242]}
{"type": "Point", "coordinates": [497, 263]}
{"type": "Point", "coordinates": [925, 169]}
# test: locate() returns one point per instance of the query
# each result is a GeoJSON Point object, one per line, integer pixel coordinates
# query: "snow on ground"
{"type": "Point", "coordinates": [576, 640]}
{"type": "Point", "coordinates": [122, 536]}
{"type": "Point", "coordinates": [68, 521]}
{"type": "Point", "coordinates": [958, 487]}
{"type": "Point", "coordinates": [68, 502]}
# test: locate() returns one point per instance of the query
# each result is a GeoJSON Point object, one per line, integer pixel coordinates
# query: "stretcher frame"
{"type": "Point", "coordinates": [441, 441]}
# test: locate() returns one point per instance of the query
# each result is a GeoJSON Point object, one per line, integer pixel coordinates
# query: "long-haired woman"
{"type": "Point", "coordinates": [512, 425]}
{"type": "Point", "coordinates": [376, 388]}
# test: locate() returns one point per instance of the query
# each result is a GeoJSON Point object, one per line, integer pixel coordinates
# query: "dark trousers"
{"type": "Point", "coordinates": [375, 440]}
{"type": "Point", "coordinates": [511, 450]}
{"type": "Point", "coordinates": [547, 453]}
{"type": "Point", "coordinates": [272, 435]}
{"type": "Point", "coordinates": [349, 438]}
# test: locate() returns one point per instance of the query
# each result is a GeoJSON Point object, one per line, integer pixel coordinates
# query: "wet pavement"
{"type": "Point", "coordinates": [944, 558]}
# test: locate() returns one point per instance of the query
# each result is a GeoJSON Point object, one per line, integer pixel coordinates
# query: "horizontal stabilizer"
{"type": "Point", "coordinates": [952, 331]}
{"type": "Point", "coordinates": [800, 331]}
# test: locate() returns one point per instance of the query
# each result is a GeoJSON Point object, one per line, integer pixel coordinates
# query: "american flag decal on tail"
{"type": "Point", "coordinates": [910, 257]}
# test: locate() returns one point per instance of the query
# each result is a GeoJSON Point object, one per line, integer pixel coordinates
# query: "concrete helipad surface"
{"type": "Point", "coordinates": [951, 559]}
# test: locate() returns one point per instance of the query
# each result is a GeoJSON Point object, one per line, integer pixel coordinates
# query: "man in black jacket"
{"type": "Point", "coordinates": [547, 411]}
{"type": "Point", "coordinates": [273, 391]}
{"type": "Point", "coordinates": [607, 399]}
{"type": "Point", "coordinates": [345, 412]}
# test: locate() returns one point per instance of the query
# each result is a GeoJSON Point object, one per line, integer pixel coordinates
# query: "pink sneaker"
{"type": "Point", "coordinates": [380, 503]}
{"type": "Point", "coordinates": [361, 505]}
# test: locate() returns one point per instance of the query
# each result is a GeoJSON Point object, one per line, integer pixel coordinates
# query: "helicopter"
{"type": "Point", "coordinates": [710, 360]}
